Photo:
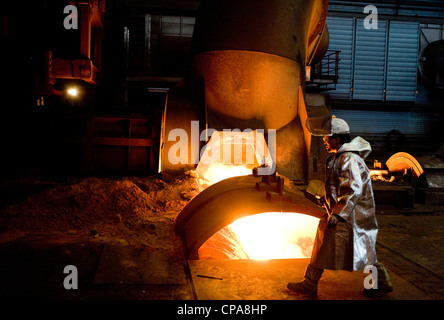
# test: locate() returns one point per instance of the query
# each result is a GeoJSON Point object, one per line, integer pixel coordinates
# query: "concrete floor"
{"type": "Point", "coordinates": [409, 244]}
{"type": "Point", "coordinates": [267, 280]}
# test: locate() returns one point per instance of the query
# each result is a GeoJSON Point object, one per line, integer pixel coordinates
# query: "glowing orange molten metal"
{"type": "Point", "coordinates": [218, 171]}
{"type": "Point", "coordinates": [276, 235]}
{"type": "Point", "coordinates": [270, 235]}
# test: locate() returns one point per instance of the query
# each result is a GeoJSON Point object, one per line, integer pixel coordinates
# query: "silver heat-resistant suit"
{"type": "Point", "coordinates": [350, 245]}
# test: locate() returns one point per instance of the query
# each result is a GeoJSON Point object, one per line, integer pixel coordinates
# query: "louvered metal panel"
{"type": "Point", "coordinates": [370, 60]}
{"type": "Point", "coordinates": [341, 32]}
{"type": "Point", "coordinates": [382, 122]}
{"type": "Point", "coordinates": [403, 49]}
{"type": "Point", "coordinates": [411, 8]}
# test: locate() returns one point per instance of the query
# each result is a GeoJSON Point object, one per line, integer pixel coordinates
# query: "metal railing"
{"type": "Point", "coordinates": [326, 71]}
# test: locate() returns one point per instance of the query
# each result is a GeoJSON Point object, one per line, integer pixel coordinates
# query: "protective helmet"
{"type": "Point", "coordinates": [327, 126]}
{"type": "Point", "coordinates": [339, 126]}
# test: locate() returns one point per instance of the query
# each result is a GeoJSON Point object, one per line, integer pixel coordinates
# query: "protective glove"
{"type": "Point", "coordinates": [333, 220]}
{"type": "Point", "coordinates": [320, 201]}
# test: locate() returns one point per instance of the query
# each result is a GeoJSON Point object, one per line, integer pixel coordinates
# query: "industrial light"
{"type": "Point", "coordinates": [72, 92]}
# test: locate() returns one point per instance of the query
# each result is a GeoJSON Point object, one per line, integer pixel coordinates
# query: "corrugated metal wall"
{"type": "Point", "coordinates": [403, 48]}
{"type": "Point", "coordinates": [406, 8]}
{"type": "Point", "coordinates": [378, 65]}
{"type": "Point", "coordinates": [342, 32]}
{"type": "Point", "coordinates": [370, 61]}
{"type": "Point", "coordinates": [375, 64]}
{"type": "Point", "coordinates": [382, 122]}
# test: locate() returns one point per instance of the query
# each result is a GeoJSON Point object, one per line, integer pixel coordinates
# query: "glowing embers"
{"type": "Point", "coordinates": [234, 153]}
{"type": "Point", "coordinates": [271, 235]}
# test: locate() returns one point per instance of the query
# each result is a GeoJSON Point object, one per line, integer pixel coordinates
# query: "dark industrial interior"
{"type": "Point", "coordinates": [104, 114]}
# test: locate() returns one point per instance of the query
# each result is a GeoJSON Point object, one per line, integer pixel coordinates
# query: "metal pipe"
{"type": "Point", "coordinates": [248, 63]}
{"type": "Point", "coordinates": [252, 56]}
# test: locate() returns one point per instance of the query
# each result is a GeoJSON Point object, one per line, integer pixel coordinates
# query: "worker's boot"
{"type": "Point", "coordinates": [308, 286]}
{"type": "Point", "coordinates": [384, 283]}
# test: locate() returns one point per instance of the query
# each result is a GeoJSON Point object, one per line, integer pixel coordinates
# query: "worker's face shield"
{"type": "Point", "coordinates": [319, 126]}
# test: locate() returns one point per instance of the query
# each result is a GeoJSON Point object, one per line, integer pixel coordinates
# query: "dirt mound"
{"type": "Point", "coordinates": [129, 210]}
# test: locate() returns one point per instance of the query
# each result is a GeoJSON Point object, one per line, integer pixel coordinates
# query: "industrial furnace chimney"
{"type": "Point", "coordinates": [251, 57]}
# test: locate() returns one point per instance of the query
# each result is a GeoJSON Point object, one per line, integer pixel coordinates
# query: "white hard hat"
{"type": "Point", "coordinates": [339, 126]}
{"type": "Point", "coordinates": [327, 126]}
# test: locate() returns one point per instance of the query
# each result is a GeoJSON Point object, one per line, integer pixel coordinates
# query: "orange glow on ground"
{"type": "Point", "coordinates": [276, 235]}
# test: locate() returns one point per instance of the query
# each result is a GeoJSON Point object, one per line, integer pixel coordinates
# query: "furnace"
{"type": "Point", "coordinates": [244, 77]}
{"type": "Point", "coordinates": [267, 199]}
{"type": "Point", "coordinates": [234, 153]}
{"type": "Point", "coordinates": [268, 235]}
{"type": "Point", "coordinates": [247, 86]}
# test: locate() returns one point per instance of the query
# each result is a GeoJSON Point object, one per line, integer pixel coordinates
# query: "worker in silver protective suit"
{"type": "Point", "coordinates": [346, 235]}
